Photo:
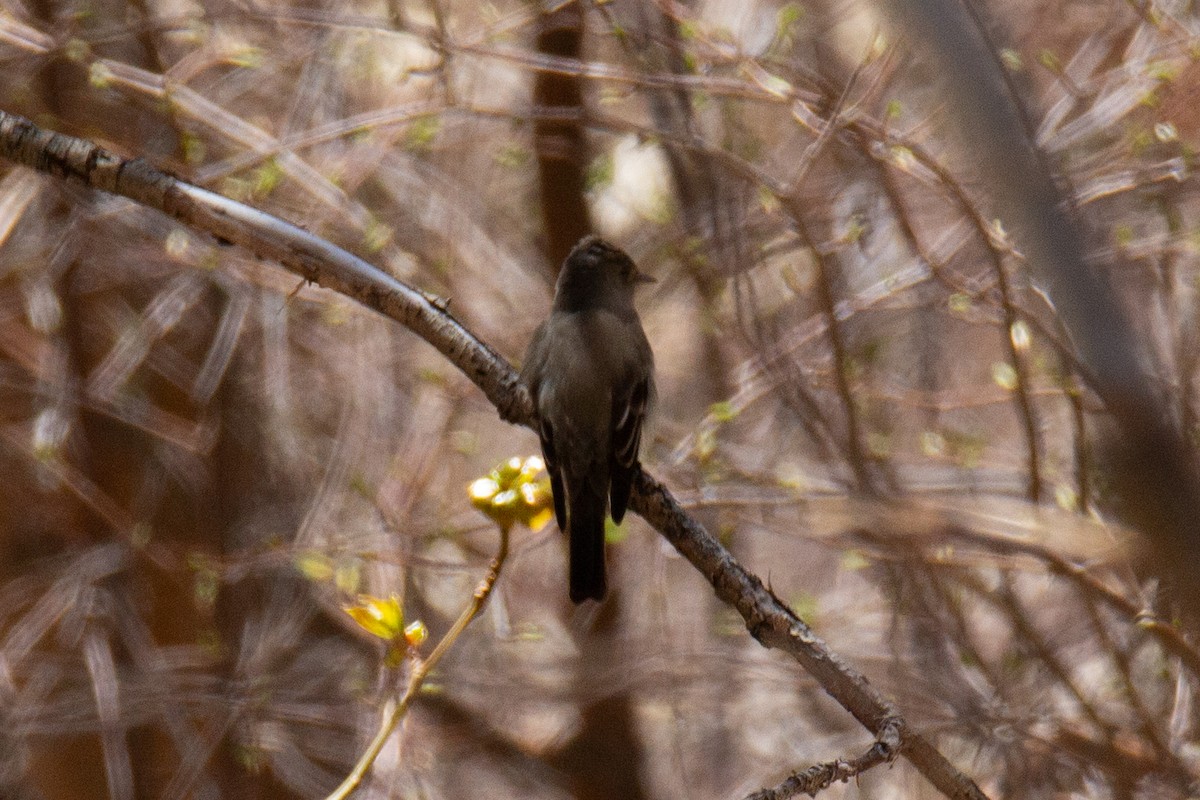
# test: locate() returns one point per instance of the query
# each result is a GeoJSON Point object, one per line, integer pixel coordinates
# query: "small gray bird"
{"type": "Point", "coordinates": [591, 374]}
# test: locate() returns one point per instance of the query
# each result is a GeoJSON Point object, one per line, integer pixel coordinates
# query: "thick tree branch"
{"type": "Point", "coordinates": [271, 238]}
{"type": "Point", "coordinates": [775, 626]}
{"type": "Point", "coordinates": [770, 621]}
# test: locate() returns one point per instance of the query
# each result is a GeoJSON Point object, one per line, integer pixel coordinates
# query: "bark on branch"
{"type": "Point", "coordinates": [822, 776]}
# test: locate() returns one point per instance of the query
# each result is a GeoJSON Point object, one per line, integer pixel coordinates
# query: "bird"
{"type": "Point", "coordinates": [589, 370]}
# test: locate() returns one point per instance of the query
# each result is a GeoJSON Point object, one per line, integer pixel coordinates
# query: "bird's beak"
{"type": "Point", "coordinates": [641, 277]}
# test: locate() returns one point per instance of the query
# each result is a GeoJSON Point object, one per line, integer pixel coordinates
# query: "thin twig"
{"type": "Point", "coordinates": [395, 712]}
{"type": "Point", "coordinates": [855, 449]}
{"type": "Point", "coordinates": [822, 776]}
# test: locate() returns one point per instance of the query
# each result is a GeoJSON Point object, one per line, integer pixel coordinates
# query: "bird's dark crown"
{"type": "Point", "coordinates": [595, 253]}
{"type": "Point", "coordinates": [597, 275]}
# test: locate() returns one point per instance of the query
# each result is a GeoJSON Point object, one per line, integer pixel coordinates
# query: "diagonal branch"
{"type": "Point", "coordinates": [271, 238]}
{"type": "Point", "coordinates": [776, 626]}
{"type": "Point", "coordinates": [769, 621]}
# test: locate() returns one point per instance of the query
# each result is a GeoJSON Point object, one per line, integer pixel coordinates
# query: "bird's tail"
{"type": "Point", "coordinates": [588, 509]}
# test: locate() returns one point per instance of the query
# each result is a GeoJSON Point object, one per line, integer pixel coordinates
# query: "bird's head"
{"type": "Point", "coordinates": [597, 275]}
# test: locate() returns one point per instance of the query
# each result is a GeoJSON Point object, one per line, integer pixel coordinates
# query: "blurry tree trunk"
{"type": "Point", "coordinates": [605, 749]}
{"type": "Point", "coordinates": [103, 450]}
{"type": "Point", "coordinates": [560, 145]}
{"type": "Point", "coordinates": [710, 202]}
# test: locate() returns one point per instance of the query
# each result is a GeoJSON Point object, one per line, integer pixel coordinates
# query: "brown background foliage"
{"type": "Point", "coordinates": [863, 388]}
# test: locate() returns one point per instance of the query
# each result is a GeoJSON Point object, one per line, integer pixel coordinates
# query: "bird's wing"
{"type": "Point", "coordinates": [628, 412]}
{"type": "Point", "coordinates": [531, 376]}
{"type": "Point", "coordinates": [546, 434]}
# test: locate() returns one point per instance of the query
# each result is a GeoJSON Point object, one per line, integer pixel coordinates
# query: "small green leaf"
{"type": "Point", "coordinates": [348, 576]}
{"type": "Point", "coordinates": [1020, 335]}
{"type": "Point", "coordinates": [267, 177]}
{"type": "Point", "coordinates": [1166, 132]}
{"type": "Point", "coordinates": [614, 533]}
{"type": "Point", "coordinates": [1066, 497]}
{"type": "Point", "coordinates": [177, 243]}
{"type": "Point", "coordinates": [600, 172]}
{"type": "Point", "coordinates": [512, 156]}
{"type": "Point", "coordinates": [902, 157]}
{"type": "Point", "coordinates": [194, 150]}
{"type": "Point", "coordinates": [787, 16]}
{"type": "Point", "coordinates": [314, 566]}
{"type": "Point", "coordinates": [422, 132]}
{"type": "Point", "coordinates": [464, 442]}
{"type": "Point", "coordinates": [777, 86]}
{"type": "Point", "coordinates": [1163, 71]}
{"type": "Point", "coordinates": [1012, 59]}
{"type": "Point", "coordinates": [1005, 375]}
{"type": "Point", "coordinates": [515, 491]}
{"type": "Point", "coordinates": [933, 443]}
{"type": "Point", "coordinates": [99, 75]}
{"type": "Point", "coordinates": [1050, 60]}
{"type": "Point", "coordinates": [854, 560]}
{"type": "Point", "coordinates": [247, 57]}
{"type": "Point", "coordinates": [376, 236]}
{"type": "Point", "coordinates": [77, 50]}
{"type": "Point", "coordinates": [381, 617]}
{"type": "Point", "coordinates": [768, 200]}
{"type": "Point", "coordinates": [959, 303]}
{"type": "Point", "coordinates": [805, 606]}
{"type": "Point", "coordinates": [415, 633]}
{"type": "Point", "coordinates": [722, 411]}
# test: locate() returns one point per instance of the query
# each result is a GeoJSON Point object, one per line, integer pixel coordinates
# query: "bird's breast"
{"type": "Point", "coordinates": [587, 355]}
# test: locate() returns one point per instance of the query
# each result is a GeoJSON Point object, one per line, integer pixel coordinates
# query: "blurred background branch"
{"type": "Point", "coordinates": [879, 392]}
{"type": "Point", "coordinates": [329, 266]}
